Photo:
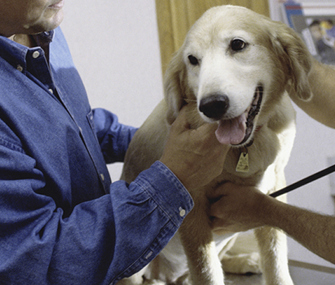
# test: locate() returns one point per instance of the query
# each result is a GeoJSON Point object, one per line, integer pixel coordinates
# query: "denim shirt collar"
{"type": "Point", "coordinates": [16, 54]}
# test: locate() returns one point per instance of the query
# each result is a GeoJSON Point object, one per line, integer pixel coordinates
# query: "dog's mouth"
{"type": "Point", "coordinates": [238, 131]}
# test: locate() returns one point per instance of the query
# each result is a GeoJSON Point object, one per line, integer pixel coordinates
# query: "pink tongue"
{"type": "Point", "coordinates": [231, 131]}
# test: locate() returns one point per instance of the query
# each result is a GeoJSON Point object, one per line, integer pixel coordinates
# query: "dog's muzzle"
{"type": "Point", "coordinates": [235, 131]}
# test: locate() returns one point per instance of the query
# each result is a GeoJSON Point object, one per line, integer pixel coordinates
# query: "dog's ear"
{"type": "Point", "coordinates": [292, 51]}
{"type": "Point", "coordinates": [174, 82]}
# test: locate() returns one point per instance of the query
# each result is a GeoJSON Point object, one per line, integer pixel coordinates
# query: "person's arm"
{"type": "Point", "coordinates": [46, 237]}
{"type": "Point", "coordinates": [113, 137]}
{"type": "Point", "coordinates": [322, 105]}
{"type": "Point", "coordinates": [241, 208]}
{"type": "Point", "coordinates": [43, 241]}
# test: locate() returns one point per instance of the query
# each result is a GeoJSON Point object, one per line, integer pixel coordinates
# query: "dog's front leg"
{"type": "Point", "coordinates": [273, 251]}
{"type": "Point", "coordinates": [196, 236]}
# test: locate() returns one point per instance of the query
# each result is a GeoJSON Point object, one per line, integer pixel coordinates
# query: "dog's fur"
{"type": "Point", "coordinates": [275, 58]}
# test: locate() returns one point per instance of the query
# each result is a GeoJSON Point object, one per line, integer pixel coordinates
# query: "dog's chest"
{"type": "Point", "coordinates": [248, 165]}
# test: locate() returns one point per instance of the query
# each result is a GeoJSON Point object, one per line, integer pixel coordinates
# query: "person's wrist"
{"type": "Point", "coordinates": [266, 206]}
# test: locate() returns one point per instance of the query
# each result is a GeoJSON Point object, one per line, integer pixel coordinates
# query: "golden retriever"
{"type": "Point", "coordinates": [235, 69]}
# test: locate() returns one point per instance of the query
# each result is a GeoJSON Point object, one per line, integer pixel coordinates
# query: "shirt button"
{"type": "Point", "coordinates": [51, 91]}
{"type": "Point", "coordinates": [36, 54]}
{"type": "Point", "coordinates": [182, 212]}
{"type": "Point", "coordinates": [19, 68]}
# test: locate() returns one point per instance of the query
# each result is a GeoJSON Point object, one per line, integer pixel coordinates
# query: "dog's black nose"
{"type": "Point", "coordinates": [214, 106]}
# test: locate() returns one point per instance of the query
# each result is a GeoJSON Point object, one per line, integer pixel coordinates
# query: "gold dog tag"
{"type": "Point", "coordinates": [243, 162]}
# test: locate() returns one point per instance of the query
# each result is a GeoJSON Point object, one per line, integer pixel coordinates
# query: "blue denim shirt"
{"type": "Point", "coordinates": [62, 221]}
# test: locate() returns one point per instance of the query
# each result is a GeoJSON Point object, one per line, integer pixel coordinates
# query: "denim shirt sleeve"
{"type": "Point", "coordinates": [113, 137]}
{"type": "Point", "coordinates": [102, 241]}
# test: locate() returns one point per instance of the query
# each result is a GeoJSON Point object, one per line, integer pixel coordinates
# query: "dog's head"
{"type": "Point", "coordinates": [233, 63]}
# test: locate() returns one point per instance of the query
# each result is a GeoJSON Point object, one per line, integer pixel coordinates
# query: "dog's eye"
{"type": "Point", "coordinates": [193, 60]}
{"type": "Point", "coordinates": [238, 44]}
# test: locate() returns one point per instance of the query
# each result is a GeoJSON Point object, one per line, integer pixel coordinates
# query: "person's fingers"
{"type": "Point", "coordinates": [217, 223]}
{"type": "Point", "coordinates": [208, 129]}
{"type": "Point", "coordinates": [219, 191]}
{"type": "Point", "coordinates": [181, 123]}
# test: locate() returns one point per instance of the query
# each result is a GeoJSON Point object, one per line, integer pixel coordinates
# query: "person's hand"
{"type": "Point", "coordinates": [194, 155]}
{"type": "Point", "coordinates": [236, 208]}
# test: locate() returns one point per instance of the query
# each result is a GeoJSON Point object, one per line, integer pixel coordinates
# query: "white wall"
{"type": "Point", "coordinates": [115, 47]}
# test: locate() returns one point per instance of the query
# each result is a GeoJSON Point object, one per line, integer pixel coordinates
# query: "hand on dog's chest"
{"type": "Point", "coordinates": [243, 162]}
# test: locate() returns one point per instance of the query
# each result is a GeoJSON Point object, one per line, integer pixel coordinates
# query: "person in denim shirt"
{"type": "Point", "coordinates": [62, 221]}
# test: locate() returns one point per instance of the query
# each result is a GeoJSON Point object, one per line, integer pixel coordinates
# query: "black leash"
{"type": "Point", "coordinates": [304, 181]}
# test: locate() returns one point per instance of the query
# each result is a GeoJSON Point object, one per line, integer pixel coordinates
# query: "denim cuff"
{"type": "Point", "coordinates": [166, 189]}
